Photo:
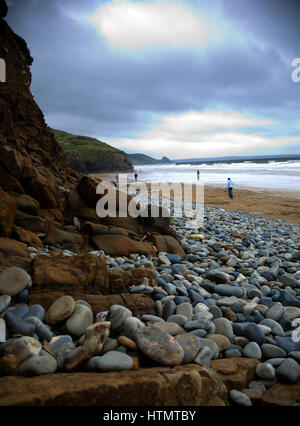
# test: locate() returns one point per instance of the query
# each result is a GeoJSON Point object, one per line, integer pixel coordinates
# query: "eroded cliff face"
{"type": "Point", "coordinates": [31, 160]}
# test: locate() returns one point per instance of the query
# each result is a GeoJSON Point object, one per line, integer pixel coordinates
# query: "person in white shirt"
{"type": "Point", "coordinates": [230, 187]}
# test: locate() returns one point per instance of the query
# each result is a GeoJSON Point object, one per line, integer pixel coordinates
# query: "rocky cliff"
{"type": "Point", "coordinates": [31, 160]}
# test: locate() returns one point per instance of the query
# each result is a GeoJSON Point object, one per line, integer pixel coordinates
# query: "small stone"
{"type": "Point", "coordinates": [240, 398]}
{"type": "Point", "coordinates": [60, 310]}
{"type": "Point", "coordinates": [16, 325]}
{"type": "Point", "coordinates": [276, 312]}
{"type": "Point", "coordinates": [265, 371]}
{"type": "Point", "coordinates": [222, 342]}
{"type": "Point", "coordinates": [254, 333]}
{"type": "Point", "coordinates": [60, 346]}
{"type": "Point", "coordinates": [128, 343]}
{"type": "Point", "coordinates": [109, 345]}
{"type": "Point", "coordinates": [178, 319]}
{"type": "Point", "coordinates": [37, 365]}
{"type": "Point", "coordinates": [288, 371]}
{"type": "Point", "coordinates": [272, 351]}
{"type": "Point", "coordinates": [4, 302]}
{"type": "Point", "coordinates": [131, 325]}
{"type": "Point", "coordinates": [185, 309]}
{"type": "Point", "coordinates": [224, 327]}
{"type": "Point", "coordinates": [252, 350]}
{"type": "Point", "coordinates": [159, 345]}
{"type": "Point", "coordinates": [204, 357]}
{"type": "Point", "coordinates": [81, 318]}
{"type": "Point", "coordinates": [241, 341]}
{"type": "Point", "coordinates": [41, 329]}
{"type": "Point", "coordinates": [23, 347]}
{"type": "Point", "coordinates": [13, 280]}
{"type": "Point", "coordinates": [114, 361]}
{"type": "Point", "coordinates": [253, 394]}
{"type": "Point", "coordinates": [170, 327]}
{"type": "Point", "coordinates": [152, 318]}
{"type": "Point", "coordinates": [190, 345]}
{"type": "Point", "coordinates": [117, 316]}
{"type": "Point", "coordinates": [36, 311]}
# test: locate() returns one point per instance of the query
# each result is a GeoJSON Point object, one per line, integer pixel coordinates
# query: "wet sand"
{"type": "Point", "coordinates": [267, 203]}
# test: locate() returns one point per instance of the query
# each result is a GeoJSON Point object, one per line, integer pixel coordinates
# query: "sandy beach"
{"type": "Point", "coordinates": [268, 203]}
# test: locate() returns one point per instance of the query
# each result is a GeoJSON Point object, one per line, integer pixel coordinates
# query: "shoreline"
{"type": "Point", "coordinates": [269, 203]}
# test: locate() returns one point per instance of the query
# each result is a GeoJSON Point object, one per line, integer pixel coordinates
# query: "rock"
{"type": "Point", "coordinates": [162, 386]}
{"type": "Point", "coordinates": [229, 290]}
{"type": "Point", "coordinates": [265, 371]}
{"type": "Point", "coordinates": [170, 327]}
{"type": "Point", "coordinates": [236, 373]}
{"type": "Point", "coordinates": [288, 371]}
{"type": "Point", "coordinates": [114, 361]}
{"type": "Point", "coordinates": [130, 326]}
{"type": "Point", "coordinates": [8, 210]}
{"type": "Point", "coordinates": [22, 347]}
{"type": "Point", "coordinates": [217, 276]}
{"type": "Point", "coordinates": [252, 350]}
{"type": "Point", "coordinates": [282, 395]}
{"type": "Point", "coordinates": [276, 312]}
{"type": "Point", "coordinates": [204, 357]}
{"type": "Point", "coordinates": [168, 244]}
{"type": "Point", "coordinates": [37, 365]}
{"type": "Point", "coordinates": [86, 272]}
{"type": "Point", "coordinates": [27, 237]}
{"type": "Point", "coordinates": [13, 280]}
{"type": "Point", "coordinates": [159, 345]}
{"type": "Point", "coordinates": [254, 333]}
{"type": "Point", "coordinates": [185, 309]}
{"type": "Point", "coordinates": [118, 315]}
{"type": "Point", "coordinates": [17, 325]}
{"type": "Point", "coordinates": [60, 310]}
{"type": "Point", "coordinates": [81, 318]}
{"type": "Point", "coordinates": [276, 328]}
{"type": "Point", "coordinates": [27, 204]}
{"type": "Point", "coordinates": [254, 394]}
{"type": "Point", "coordinates": [63, 239]}
{"type": "Point", "coordinates": [36, 311]}
{"type": "Point", "coordinates": [42, 330]}
{"type": "Point", "coordinates": [272, 351]}
{"type": "Point", "coordinates": [190, 345]}
{"type": "Point", "coordinates": [224, 327]}
{"type": "Point", "coordinates": [60, 347]}
{"type": "Point", "coordinates": [109, 345]}
{"type": "Point", "coordinates": [127, 343]}
{"type": "Point", "coordinates": [291, 312]}
{"type": "Point", "coordinates": [119, 245]}
{"type": "Point", "coordinates": [240, 398]}
{"type": "Point", "coordinates": [222, 342]}
{"type": "Point", "coordinates": [232, 302]}
{"type": "Point", "coordinates": [178, 319]}
{"type": "Point", "coordinates": [287, 344]}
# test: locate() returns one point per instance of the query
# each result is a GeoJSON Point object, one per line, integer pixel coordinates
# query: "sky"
{"type": "Point", "coordinates": [175, 78]}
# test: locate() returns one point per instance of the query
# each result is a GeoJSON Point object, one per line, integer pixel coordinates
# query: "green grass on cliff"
{"type": "Point", "coordinates": [84, 147]}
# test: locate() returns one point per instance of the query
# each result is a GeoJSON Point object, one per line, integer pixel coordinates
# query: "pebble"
{"type": "Point", "coordinates": [159, 345]}
{"type": "Point", "coordinates": [4, 302]}
{"type": "Point", "coordinates": [117, 316]}
{"type": "Point", "coordinates": [81, 318]}
{"type": "Point", "coordinates": [252, 350]}
{"type": "Point", "coordinates": [265, 371]}
{"type": "Point", "coordinates": [190, 345]}
{"type": "Point", "coordinates": [114, 361]}
{"type": "Point", "coordinates": [60, 310]}
{"type": "Point", "coordinates": [224, 327]}
{"type": "Point", "coordinates": [288, 371]}
{"type": "Point", "coordinates": [37, 365]}
{"type": "Point", "coordinates": [13, 280]}
{"type": "Point", "coordinates": [254, 333]}
{"type": "Point", "coordinates": [240, 398]}
{"type": "Point", "coordinates": [272, 351]}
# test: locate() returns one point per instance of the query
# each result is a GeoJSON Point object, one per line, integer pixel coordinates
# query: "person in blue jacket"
{"type": "Point", "coordinates": [230, 187]}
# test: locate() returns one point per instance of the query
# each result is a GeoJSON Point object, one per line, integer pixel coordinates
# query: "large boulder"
{"type": "Point", "coordinates": [168, 244]}
{"type": "Point", "coordinates": [27, 237]}
{"type": "Point", "coordinates": [63, 239]}
{"type": "Point", "coordinates": [119, 245]}
{"type": "Point", "coordinates": [13, 253]}
{"type": "Point", "coordinates": [282, 395]}
{"type": "Point", "coordinates": [86, 273]}
{"type": "Point", "coordinates": [161, 386]}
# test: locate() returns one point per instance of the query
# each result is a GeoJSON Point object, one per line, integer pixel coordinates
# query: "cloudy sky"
{"type": "Point", "coordinates": [182, 78]}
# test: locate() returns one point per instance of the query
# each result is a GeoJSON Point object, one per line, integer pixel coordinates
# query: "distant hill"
{"type": "Point", "coordinates": [141, 159]}
{"type": "Point", "coordinates": [89, 155]}
{"type": "Point", "coordinates": [239, 159]}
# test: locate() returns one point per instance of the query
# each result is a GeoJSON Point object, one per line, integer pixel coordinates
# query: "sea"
{"type": "Point", "coordinates": [283, 176]}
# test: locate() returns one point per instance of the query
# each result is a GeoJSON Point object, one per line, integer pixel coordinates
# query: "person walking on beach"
{"type": "Point", "coordinates": [117, 178]}
{"type": "Point", "coordinates": [230, 187]}
{"type": "Point", "coordinates": [135, 176]}
{"type": "Point", "coordinates": [198, 174]}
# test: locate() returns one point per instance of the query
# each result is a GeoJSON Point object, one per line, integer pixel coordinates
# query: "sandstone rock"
{"type": "Point", "coordinates": [161, 386]}
{"type": "Point", "coordinates": [32, 223]}
{"type": "Point", "coordinates": [27, 204]}
{"type": "Point", "coordinates": [119, 245]}
{"type": "Point", "coordinates": [13, 280]}
{"type": "Point", "coordinates": [8, 210]}
{"type": "Point", "coordinates": [9, 182]}
{"type": "Point", "coordinates": [13, 248]}
{"type": "Point", "coordinates": [128, 343]}
{"type": "Point", "coordinates": [82, 273]}
{"type": "Point", "coordinates": [282, 395]}
{"type": "Point", "coordinates": [60, 310]}
{"type": "Point", "coordinates": [168, 244]}
{"type": "Point", "coordinates": [27, 237]}
{"type": "Point", "coordinates": [236, 373]}
{"type": "Point", "coordinates": [159, 345]}
{"type": "Point", "coordinates": [63, 239]}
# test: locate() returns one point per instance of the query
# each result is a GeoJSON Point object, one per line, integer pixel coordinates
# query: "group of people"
{"type": "Point", "coordinates": [135, 177]}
